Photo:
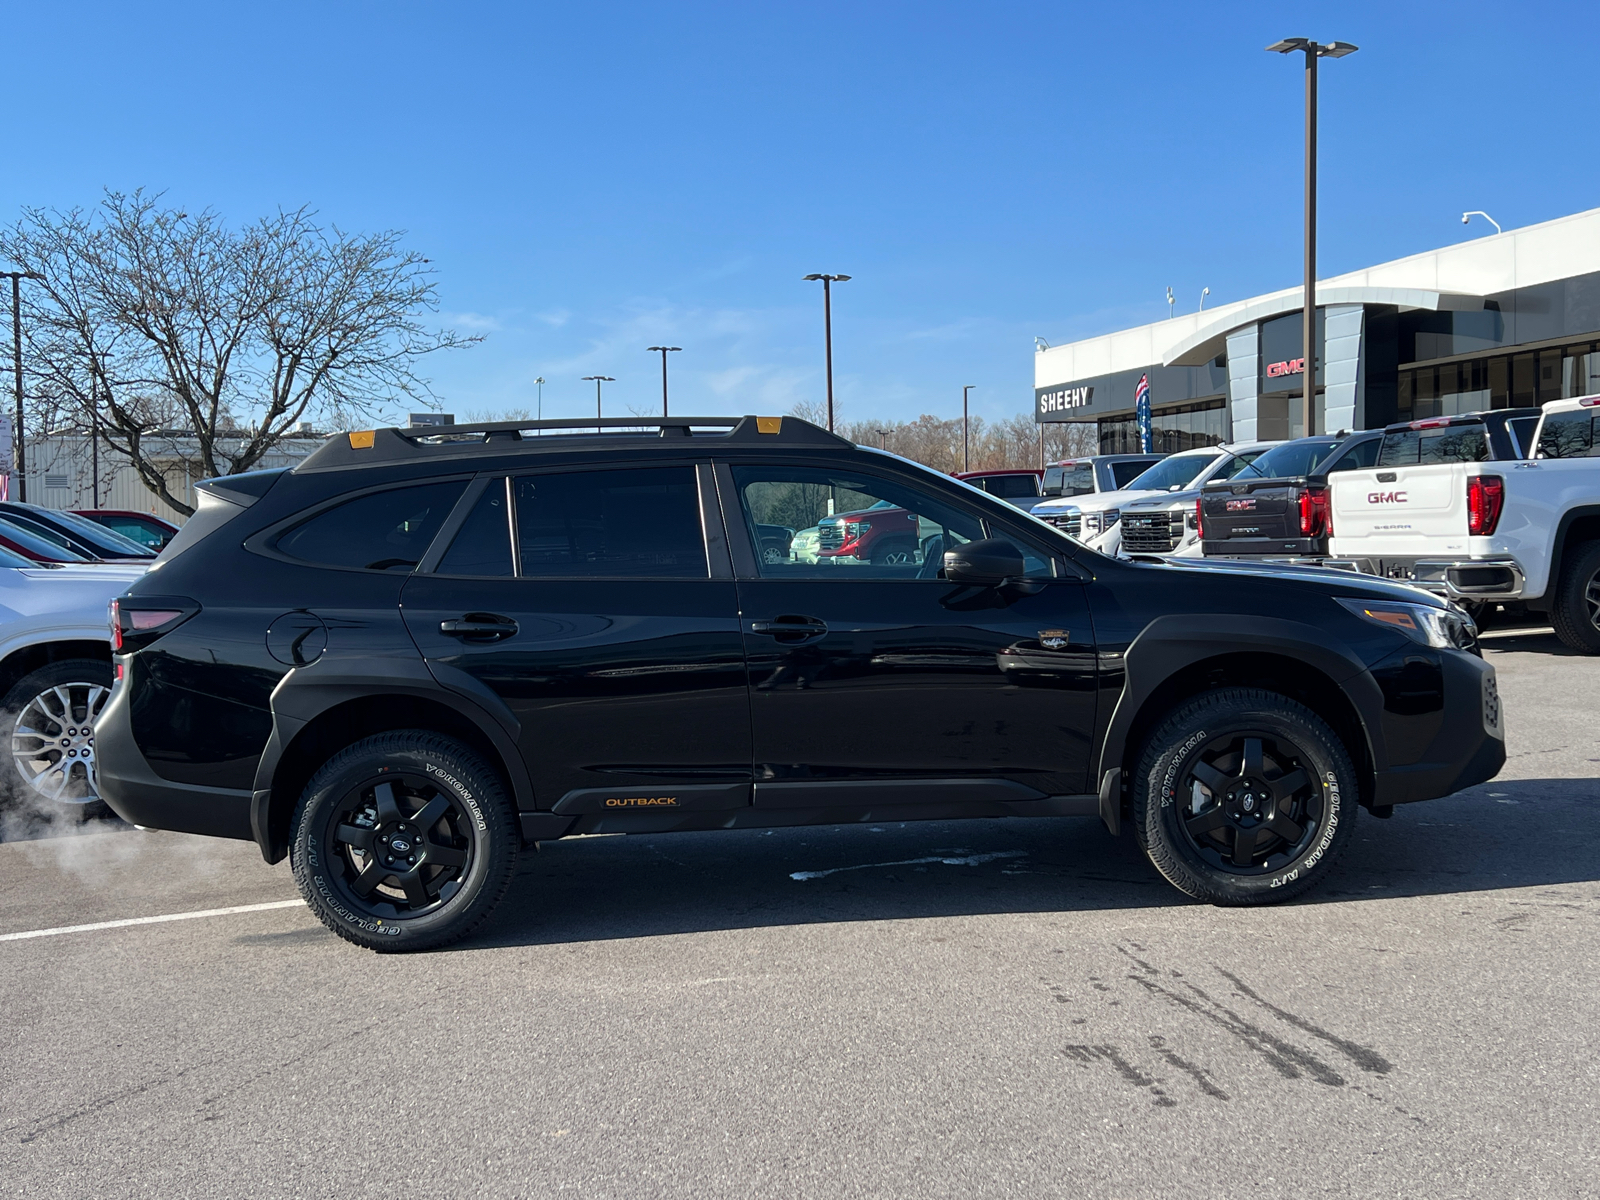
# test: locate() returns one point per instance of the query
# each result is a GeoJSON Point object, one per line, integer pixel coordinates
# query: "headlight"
{"type": "Point", "coordinates": [1442, 628]}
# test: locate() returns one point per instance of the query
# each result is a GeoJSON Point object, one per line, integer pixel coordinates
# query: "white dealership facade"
{"type": "Point", "coordinates": [1501, 321]}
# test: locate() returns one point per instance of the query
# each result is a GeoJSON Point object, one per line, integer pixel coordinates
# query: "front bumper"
{"type": "Point", "coordinates": [139, 796]}
{"type": "Point", "coordinates": [1455, 578]}
{"type": "Point", "coordinates": [1467, 743]}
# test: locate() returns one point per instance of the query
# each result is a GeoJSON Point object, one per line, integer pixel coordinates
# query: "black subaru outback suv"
{"type": "Point", "coordinates": [419, 651]}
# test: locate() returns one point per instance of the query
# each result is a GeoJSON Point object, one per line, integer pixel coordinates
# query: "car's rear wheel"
{"type": "Point", "coordinates": [1244, 796]}
{"type": "Point", "coordinates": [404, 841]}
{"type": "Point", "coordinates": [897, 552]}
{"type": "Point", "coordinates": [48, 725]}
{"type": "Point", "coordinates": [1576, 611]}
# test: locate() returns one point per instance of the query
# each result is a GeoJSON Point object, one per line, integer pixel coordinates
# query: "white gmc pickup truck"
{"type": "Point", "coordinates": [1441, 511]}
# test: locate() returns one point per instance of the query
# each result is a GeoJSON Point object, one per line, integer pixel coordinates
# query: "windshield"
{"type": "Point", "coordinates": [10, 558]}
{"type": "Point", "coordinates": [29, 539]}
{"type": "Point", "coordinates": [1069, 479]}
{"type": "Point", "coordinates": [1289, 460]}
{"type": "Point", "coordinates": [1178, 471]}
{"type": "Point", "coordinates": [98, 535]}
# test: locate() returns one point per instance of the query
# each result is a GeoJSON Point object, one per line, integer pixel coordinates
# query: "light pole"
{"type": "Point", "coordinates": [883, 438]}
{"type": "Point", "coordinates": [1204, 292]}
{"type": "Point", "coordinates": [598, 380]}
{"type": "Point", "coordinates": [827, 331]}
{"type": "Point", "coordinates": [965, 462]}
{"type": "Point", "coordinates": [1478, 212]}
{"type": "Point", "coordinates": [18, 459]}
{"type": "Point", "coordinates": [1171, 300]}
{"type": "Point", "coordinates": [539, 383]}
{"type": "Point", "coordinates": [1308, 320]}
{"type": "Point", "coordinates": [665, 350]}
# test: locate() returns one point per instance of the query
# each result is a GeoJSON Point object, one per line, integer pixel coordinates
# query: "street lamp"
{"type": "Point", "coordinates": [1478, 212]}
{"type": "Point", "coordinates": [1204, 292]}
{"type": "Point", "coordinates": [965, 464]}
{"type": "Point", "coordinates": [665, 350]}
{"type": "Point", "coordinates": [16, 278]}
{"type": "Point", "coordinates": [827, 331]}
{"type": "Point", "coordinates": [539, 382]}
{"type": "Point", "coordinates": [883, 438]}
{"type": "Point", "coordinates": [1308, 320]}
{"type": "Point", "coordinates": [1171, 300]}
{"type": "Point", "coordinates": [597, 380]}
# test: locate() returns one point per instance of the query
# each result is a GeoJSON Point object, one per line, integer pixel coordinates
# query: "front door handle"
{"type": "Point", "coordinates": [479, 627]}
{"type": "Point", "coordinates": [791, 629]}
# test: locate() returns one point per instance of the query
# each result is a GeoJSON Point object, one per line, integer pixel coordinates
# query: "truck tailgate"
{"type": "Point", "coordinates": [1262, 509]}
{"type": "Point", "coordinates": [1400, 511]}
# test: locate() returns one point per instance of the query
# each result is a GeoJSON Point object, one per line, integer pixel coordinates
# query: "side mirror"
{"type": "Point", "coordinates": [988, 562]}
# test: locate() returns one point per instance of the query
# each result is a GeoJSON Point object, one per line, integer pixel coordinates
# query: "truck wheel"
{"type": "Point", "coordinates": [1576, 611]}
{"type": "Point", "coordinates": [404, 841]}
{"type": "Point", "coordinates": [898, 553]}
{"type": "Point", "coordinates": [1243, 797]}
{"type": "Point", "coordinates": [48, 725]}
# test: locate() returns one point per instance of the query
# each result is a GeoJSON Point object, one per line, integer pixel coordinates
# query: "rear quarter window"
{"type": "Point", "coordinates": [381, 531]}
{"type": "Point", "coordinates": [1124, 473]}
{"type": "Point", "coordinates": [1567, 435]}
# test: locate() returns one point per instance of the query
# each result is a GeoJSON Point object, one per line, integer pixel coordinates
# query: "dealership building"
{"type": "Point", "coordinates": [1501, 321]}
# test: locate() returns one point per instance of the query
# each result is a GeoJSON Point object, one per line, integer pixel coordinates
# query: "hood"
{"type": "Point", "coordinates": [1098, 501]}
{"type": "Point", "coordinates": [1161, 501]}
{"type": "Point", "coordinates": [1326, 579]}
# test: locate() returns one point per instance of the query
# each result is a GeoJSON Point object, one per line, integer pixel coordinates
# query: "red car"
{"type": "Point", "coordinates": [1016, 485]}
{"type": "Point", "coordinates": [145, 528]}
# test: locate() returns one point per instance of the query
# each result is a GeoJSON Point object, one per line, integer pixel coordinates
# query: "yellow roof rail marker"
{"type": "Point", "coordinates": [769, 424]}
{"type": "Point", "coordinates": [362, 440]}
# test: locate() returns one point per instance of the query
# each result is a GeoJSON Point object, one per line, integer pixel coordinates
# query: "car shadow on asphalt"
{"type": "Point", "coordinates": [1503, 834]}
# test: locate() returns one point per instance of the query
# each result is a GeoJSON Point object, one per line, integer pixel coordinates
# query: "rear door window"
{"type": "Point", "coordinates": [1012, 487]}
{"type": "Point", "coordinates": [633, 523]}
{"type": "Point", "coordinates": [1363, 454]}
{"type": "Point", "coordinates": [381, 531]}
{"type": "Point", "coordinates": [1567, 435]}
{"type": "Point", "coordinates": [1124, 473]}
{"type": "Point", "coordinates": [483, 545]}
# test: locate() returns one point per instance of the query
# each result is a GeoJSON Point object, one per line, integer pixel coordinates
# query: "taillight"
{"type": "Point", "coordinates": [1486, 496]}
{"type": "Point", "coordinates": [1199, 520]}
{"type": "Point", "coordinates": [1314, 512]}
{"type": "Point", "coordinates": [136, 621]}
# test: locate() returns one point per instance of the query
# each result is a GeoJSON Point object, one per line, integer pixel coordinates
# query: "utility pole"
{"type": "Point", "coordinates": [665, 350]}
{"type": "Point", "coordinates": [827, 331]}
{"type": "Point", "coordinates": [1308, 321]}
{"type": "Point", "coordinates": [19, 460]}
{"type": "Point", "coordinates": [539, 383]}
{"type": "Point", "coordinates": [966, 464]}
{"type": "Point", "coordinates": [598, 380]}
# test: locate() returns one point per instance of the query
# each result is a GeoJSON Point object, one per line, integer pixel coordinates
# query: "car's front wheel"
{"type": "Point", "coordinates": [48, 724]}
{"type": "Point", "coordinates": [404, 841]}
{"type": "Point", "coordinates": [1244, 796]}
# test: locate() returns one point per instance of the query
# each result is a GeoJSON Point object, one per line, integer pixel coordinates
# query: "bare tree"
{"type": "Point", "coordinates": [188, 344]}
{"type": "Point", "coordinates": [1012, 443]}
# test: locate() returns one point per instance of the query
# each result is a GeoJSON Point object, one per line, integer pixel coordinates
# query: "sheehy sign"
{"type": "Point", "coordinates": [1063, 399]}
{"type": "Point", "coordinates": [1294, 366]}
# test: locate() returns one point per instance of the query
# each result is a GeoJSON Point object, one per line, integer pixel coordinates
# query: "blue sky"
{"type": "Point", "coordinates": [593, 179]}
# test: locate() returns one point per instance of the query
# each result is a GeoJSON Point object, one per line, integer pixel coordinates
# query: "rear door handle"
{"type": "Point", "coordinates": [791, 628]}
{"type": "Point", "coordinates": [479, 627]}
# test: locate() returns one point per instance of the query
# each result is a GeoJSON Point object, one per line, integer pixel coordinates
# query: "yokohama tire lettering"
{"type": "Point", "coordinates": [1189, 744]}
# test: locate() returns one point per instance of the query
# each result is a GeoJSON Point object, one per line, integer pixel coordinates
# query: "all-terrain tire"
{"type": "Point", "coordinates": [377, 869]}
{"type": "Point", "coordinates": [58, 703]}
{"type": "Point", "coordinates": [1188, 828]}
{"type": "Point", "coordinates": [1576, 611]}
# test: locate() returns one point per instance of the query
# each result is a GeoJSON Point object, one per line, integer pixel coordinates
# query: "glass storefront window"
{"type": "Point", "coordinates": [1523, 380]}
{"type": "Point", "coordinates": [1180, 428]}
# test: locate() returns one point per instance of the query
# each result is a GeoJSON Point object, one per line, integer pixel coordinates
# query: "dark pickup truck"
{"type": "Point", "coordinates": [1278, 505]}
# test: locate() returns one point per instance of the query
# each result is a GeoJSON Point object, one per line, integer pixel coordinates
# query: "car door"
{"type": "Point", "coordinates": [875, 681]}
{"type": "Point", "coordinates": [591, 603]}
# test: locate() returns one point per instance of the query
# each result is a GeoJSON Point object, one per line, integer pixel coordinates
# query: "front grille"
{"type": "Point", "coordinates": [1068, 522]}
{"type": "Point", "coordinates": [830, 536]}
{"type": "Point", "coordinates": [1152, 533]}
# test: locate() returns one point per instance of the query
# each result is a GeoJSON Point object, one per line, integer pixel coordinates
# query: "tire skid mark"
{"type": "Point", "coordinates": [1085, 1054]}
{"type": "Point", "coordinates": [1199, 1074]}
{"type": "Point", "coordinates": [1285, 1058]}
{"type": "Point", "coordinates": [1364, 1057]}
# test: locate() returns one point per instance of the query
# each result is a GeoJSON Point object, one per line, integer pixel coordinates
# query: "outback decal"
{"type": "Point", "coordinates": [641, 802]}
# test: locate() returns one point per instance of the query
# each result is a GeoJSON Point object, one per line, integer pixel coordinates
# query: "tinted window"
{"type": "Point", "coordinates": [1124, 473]}
{"type": "Point", "coordinates": [1289, 460]}
{"type": "Point", "coordinates": [98, 535]}
{"type": "Point", "coordinates": [10, 558]}
{"type": "Point", "coordinates": [1177, 471]}
{"type": "Point", "coordinates": [1426, 447]}
{"type": "Point", "coordinates": [135, 530]}
{"type": "Point", "coordinates": [1362, 454]}
{"type": "Point", "coordinates": [1011, 487]}
{"type": "Point", "coordinates": [1567, 435]}
{"type": "Point", "coordinates": [483, 547]}
{"type": "Point", "coordinates": [23, 538]}
{"type": "Point", "coordinates": [1074, 480]}
{"type": "Point", "coordinates": [383, 531]}
{"type": "Point", "coordinates": [1238, 463]}
{"type": "Point", "coordinates": [634, 523]}
{"type": "Point", "coordinates": [1522, 433]}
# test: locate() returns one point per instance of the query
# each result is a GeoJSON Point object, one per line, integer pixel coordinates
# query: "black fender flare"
{"type": "Point", "coordinates": [305, 693]}
{"type": "Point", "coordinates": [1169, 644]}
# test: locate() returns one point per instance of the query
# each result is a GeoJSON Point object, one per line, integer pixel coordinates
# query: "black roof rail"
{"type": "Point", "coordinates": [371, 447]}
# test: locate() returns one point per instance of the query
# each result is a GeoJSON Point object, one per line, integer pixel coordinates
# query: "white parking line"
{"type": "Point", "coordinates": [126, 921]}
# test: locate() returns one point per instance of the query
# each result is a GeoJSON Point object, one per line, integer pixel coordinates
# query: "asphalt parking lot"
{"type": "Point", "coordinates": [999, 1008]}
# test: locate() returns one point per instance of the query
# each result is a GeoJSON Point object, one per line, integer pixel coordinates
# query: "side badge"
{"type": "Point", "coordinates": [1053, 639]}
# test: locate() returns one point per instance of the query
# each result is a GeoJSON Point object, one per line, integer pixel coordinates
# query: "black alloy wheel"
{"type": "Point", "coordinates": [1251, 806]}
{"type": "Point", "coordinates": [1575, 613]}
{"type": "Point", "coordinates": [404, 841]}
{"type": "Point", "coordinates": [1244, 796]}
{"type": "Point", "coordinates": [897, 552]}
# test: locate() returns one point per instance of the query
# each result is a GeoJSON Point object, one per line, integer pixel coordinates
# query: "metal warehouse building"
{"type": "Point", "coordinates": [1501, 321]}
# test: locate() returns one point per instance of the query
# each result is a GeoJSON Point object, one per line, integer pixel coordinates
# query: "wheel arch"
{"type": "Point", "coordinates": [327, 719]}
{"type": "Point", "coordinates": [1578, 527]}
{"type": "Point", "coordinates": [1180, 657]}
{"type": "Point", "coordinates": [27, 659]}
